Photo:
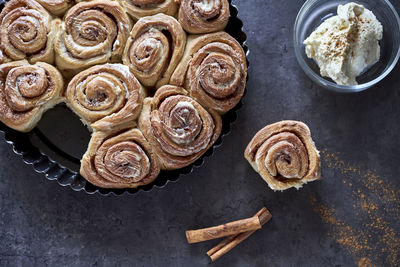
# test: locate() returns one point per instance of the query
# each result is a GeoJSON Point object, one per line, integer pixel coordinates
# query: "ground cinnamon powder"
{"type": "Point", "coordinates": [364, 262]}
{"type": "Point", "coordinates": [375, 238]}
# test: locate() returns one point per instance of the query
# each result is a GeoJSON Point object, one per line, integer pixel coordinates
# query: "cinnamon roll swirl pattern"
{"type": "Point", "coordinates": [154, 49]}
{"type": "Point", "coordinates": [119, 160]}
{"type": "Point", "coordinates": [26, 92]}
{"type": "Point", "coordinates": [93, 32]}
{"type": "Point", "coordinates": [27, 31]}
{"type": "Point", "coordinates": [200, 16]}
{"type": "Point", "coordinates": [112, 67]}
{"type": "Point", "coordinates": [284, 155]}
{"type": "Point", "coordinates": [179, 129]}
{"type": "Point", "coordinates": [143, 8]}
{"type": "Point", "coordinates": [56, 7]}
{"type": "Point", "coordinates": [214, 69]}
{"type": "Point", "coordinates": [105, 96]}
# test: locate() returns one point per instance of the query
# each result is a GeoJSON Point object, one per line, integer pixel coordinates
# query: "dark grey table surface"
{"type": "Point", "coordinates": [349, 217]}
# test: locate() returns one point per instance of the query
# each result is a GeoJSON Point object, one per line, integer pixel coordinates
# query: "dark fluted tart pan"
{"type": "Point", "coordinates": [54, 147]}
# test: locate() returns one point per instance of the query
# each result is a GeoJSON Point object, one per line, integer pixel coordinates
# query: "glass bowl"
{"type": "Point", "coordinates": [314, 12]}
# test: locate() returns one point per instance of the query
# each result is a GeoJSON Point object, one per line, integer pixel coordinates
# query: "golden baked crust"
{"type": "Point", "coordinates": [203, 17]}
{"type": "Point", "coordinates": [91, 33]}
{"type": "Point", "coordinates": [27, 31]}
{"type": "Point", "coordinates": [214, 70]}
{"type": "Point", "coordinates": [56, 7]}
{"type": "Point", "coordinates": [119, 160]}
{"type": "Point", "coordinates": [105, 96]}
{"type": "Point", "coordinates": [178, 128]}
{"type": "Point", "coordinates": [284, 155]}
{"type": "Point", "coordinates": [142, 8]}
{"type": "Point", "coordinates": [154, 49]}
{"type": "Point", "coordinates": [26, 92]}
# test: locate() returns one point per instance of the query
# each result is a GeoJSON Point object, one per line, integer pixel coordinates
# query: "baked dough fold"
{"type": "Point", "coordinates": [26, 92]}
{"type": "Point", "coordinates": [119, 160]}
{"type": "Point", "coordinates": [56, 7]}
{"type": "Point", "coordinates": [91, 33]}
{"type": "Point", "coordinates": [27, 31]}
{"type": "Point", "coordinates": [199, 16]}
{"type": "Point", "coordinates": [154, 49]}
{"type": "Point", "coordinates": [105, 96]}
{"type": "Point", "coordinates": [178, 128]}
{"type": "Point", "coordinates": [142, 8]}
{"type": "Point", "coordinates": [284, 155]}
{"type": "Point", "coordinates": [214, 70]}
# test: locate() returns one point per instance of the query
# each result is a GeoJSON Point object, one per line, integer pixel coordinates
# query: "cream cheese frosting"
{"type": "Point", "coordinates": [346, 44]}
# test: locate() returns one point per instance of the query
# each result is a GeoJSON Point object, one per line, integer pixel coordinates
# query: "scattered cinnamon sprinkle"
{"type": "Point", "coordinates": [376, 200]}
{"type": "Point", "coordinates": [344, 234]}
{"type": "Point", "coordinates": [364, 262]}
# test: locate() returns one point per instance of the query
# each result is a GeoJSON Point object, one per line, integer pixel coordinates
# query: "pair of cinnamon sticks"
{"type": "Point", "coordinates": [236, 232]}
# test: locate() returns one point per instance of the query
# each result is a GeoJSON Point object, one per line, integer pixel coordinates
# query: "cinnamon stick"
{"type": "Point", "coordinates": [232, 228]}
{"type": "Point", "coordinates": [232, 241]}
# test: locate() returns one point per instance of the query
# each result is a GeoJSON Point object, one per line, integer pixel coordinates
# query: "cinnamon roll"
{"type": "Point", "coordinates": [284, 155]}
{"type": "Point", "coordinates": [143, 8]}
{"type": "Point", "coordinates": [105, 96]}
{"type": "Point", "coordinates": [93, 32]}
{"type": "Point", "coordinates": [56, 7]}
{"type": "Point", "coordinates": [27, 31]}
{"type": "Point", "coordinates": [179, 129]}
{"type": "Point", "coordinates": [214, 69]}
{"type": "Point", "coordinates": [119, 160]}
{"type": "Point", "coordinates": [26, 92]}
{"type": "Point", "coordinates": [203, 16]}
{"type": "Point", "coordinates": [154, 49]}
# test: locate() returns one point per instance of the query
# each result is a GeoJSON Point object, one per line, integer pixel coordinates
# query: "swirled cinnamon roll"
{"type": "Point", "coordinates": [105, 96]}
{"type": "Point", "coordinates": [154, 49]}
{"type": "Point", "coordinates": [27, 31]}
{"type": "Point", "coordinates": [143, 8]}
{"type": "Point", "coordinates": [284, 155]}
{"type": "Point", "coordinates": [26, 92]}
{"type": "Point", "coordinates": [179, 129]}
{"type": "Point", "coordinates": [119, 160]}
{"type": "Point", "coordinates": [93, 32]}
{"type": "Point", "coordinates": [203, 16]}
{"type": "Point", "coordinates": [214, 69]}
{"type": "Point", "coordinates": [56, 7]}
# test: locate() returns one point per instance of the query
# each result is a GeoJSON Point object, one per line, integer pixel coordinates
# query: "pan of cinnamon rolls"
{"type": "Point", "coordinates": [156, 82]}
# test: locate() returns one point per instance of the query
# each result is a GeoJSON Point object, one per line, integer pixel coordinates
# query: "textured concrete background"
{"type": "Point", "coordinates": [42, 223]}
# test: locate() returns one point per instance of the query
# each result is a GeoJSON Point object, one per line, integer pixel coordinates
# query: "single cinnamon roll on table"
{"type": "Point", "coordinates": [214, 70]}
{"type": "Point", "coordinates": [56, 7]}
{"type": "Point", "coordinates": [178, 128]}
{"type": "Point", "coordinates": [284, 155]}
{"type": "Point", "coordinates": [105, 96]}
{"type": "Point", "coordinates": [26, 92]}
{"type": "Point", "coordinates": [93, 32]}
{"type": "Point", "coordinates": [200, 16]}
{"type": "Point", "coordinates": [154, 49]}
{"type": "Point", "coordinates": [142, 8]}
{"type": "Point", "coordinates": [27, 31]}
{"type": "Point", "coordinates": [119, 160]}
